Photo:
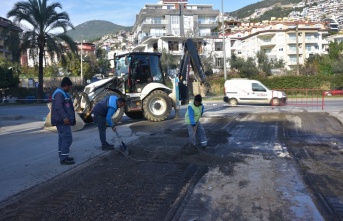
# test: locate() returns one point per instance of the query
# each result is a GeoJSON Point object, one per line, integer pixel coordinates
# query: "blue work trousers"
{"type": "Point", "coordinates": [102, 126]}
{"type": "Point", "coordinates": [197, 135]}
{"type": "Point", "coordinates": [65, 139]}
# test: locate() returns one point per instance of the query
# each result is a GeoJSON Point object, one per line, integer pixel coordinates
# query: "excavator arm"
{"type": "Point", "coordinates": [191, 57]}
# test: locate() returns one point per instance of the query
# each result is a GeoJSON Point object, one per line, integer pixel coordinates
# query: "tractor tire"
{"type": "Point", "coordinates": [135, 114]}
{"type": "Point", "coordinates": [120, 112]}
{"type": "Point", "coordinates": [157, 106]}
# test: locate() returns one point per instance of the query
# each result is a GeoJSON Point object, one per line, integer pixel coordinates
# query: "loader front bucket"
{"type": "Point", "coordinates": [80, 124]}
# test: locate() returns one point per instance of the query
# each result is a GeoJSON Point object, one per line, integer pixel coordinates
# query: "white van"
{"type": "Point", "coordinates": [245, 91]}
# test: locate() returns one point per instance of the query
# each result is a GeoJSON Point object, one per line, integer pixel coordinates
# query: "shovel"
{"type": "Point", "coordinates": [194, 132]}
{"type": "Point", "coordinates": [122, 148]}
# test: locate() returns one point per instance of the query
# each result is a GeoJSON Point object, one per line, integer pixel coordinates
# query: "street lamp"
{"type": "Point", "coordinates": [224, 50]}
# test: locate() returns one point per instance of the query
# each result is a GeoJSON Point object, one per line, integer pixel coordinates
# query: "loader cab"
{"type": "Point", "coordinates": [139, 69]}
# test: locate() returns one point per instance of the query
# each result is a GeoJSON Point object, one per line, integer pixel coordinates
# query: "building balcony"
{"type": "Point", "coordinates": [272, 57]}
{"type": "Point", "coordinates": [208, 22]}
{"type": "Point", "coordinates": [311, 40]}
{"type": "Point", "coordinates": [294, 52]}
{"type": "Point", "coordinates": [211, 34]}
{"type": "Point", "coordinates": [292, 63]}
{"type": "Point", "coordinates": [267, 43]}
{"type": "Point", "coordinates": [161, 12]}
{"type": "Point", "coordinates": [153, 24]}
{"type": "Point", "coordinates": [208, 25]}
{"type": "Point", "coordinates": [291, 40]}
{"type": "Point", "coordinates": [264, 35]}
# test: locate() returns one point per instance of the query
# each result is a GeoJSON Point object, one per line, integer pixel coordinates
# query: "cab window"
{"type": "Point", "coordinates": [257, 87]}
{"type": "Point", "coordinates": [121, 67]}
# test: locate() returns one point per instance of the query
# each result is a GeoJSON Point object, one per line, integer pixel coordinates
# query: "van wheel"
{"type": "Point", "coordinates": [233, 102]}
{"type": "Point", "coordinates": [275, 102]}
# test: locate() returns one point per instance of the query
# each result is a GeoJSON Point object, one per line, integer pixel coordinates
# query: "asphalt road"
{"type": "Point", "coordinates": [28, 153]}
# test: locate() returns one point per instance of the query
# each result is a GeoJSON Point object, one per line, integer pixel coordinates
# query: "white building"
{"type": "Point", "coordinates": [291, 41]}
{"type": "Point", "coordinates": [166, 24]}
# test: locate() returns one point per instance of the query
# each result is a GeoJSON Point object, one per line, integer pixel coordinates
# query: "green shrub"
{"type": "Point", "coordinates": [321, 82]}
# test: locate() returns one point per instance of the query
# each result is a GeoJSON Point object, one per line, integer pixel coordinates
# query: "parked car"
{"type": "Point", "coordinates": [9, 100]}
{"type": "Point", "coordinates": [334, 92]}
{"type": "Point", "coordinates": [33, 99]}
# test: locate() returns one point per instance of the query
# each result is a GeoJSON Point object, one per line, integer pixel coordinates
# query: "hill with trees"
{"type": "Point", "coordinates": [94, 30]}
{"type": "Point", "coordinates": [275, 12]}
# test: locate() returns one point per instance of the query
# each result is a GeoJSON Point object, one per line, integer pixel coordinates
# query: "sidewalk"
{"type": "Point", "coordinates": [29, 153]}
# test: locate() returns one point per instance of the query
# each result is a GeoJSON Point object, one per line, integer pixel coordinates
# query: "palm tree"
{"type": "Point", "coordinates": [44, 19]}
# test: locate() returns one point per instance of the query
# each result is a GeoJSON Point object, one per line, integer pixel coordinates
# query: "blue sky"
{"type": "Point", "coordinates": [119, 12]}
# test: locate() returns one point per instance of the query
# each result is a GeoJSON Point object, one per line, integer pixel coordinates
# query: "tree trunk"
{"type": "Point", "coordinates": [40, 74]}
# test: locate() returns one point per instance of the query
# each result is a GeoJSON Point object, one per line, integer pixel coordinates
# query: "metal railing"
{"type": "Point", "coordinates": [303, 97]}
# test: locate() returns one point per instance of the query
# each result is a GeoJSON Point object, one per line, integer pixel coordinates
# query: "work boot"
{"type": "Point", "coordinates": [67, 161]}
{"type": "Point", "coordinates": [107, 147]}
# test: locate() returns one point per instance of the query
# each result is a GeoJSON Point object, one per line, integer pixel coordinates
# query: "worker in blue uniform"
{"type": "Point", "coordinates": [63, 117]}
{"type": "Point", "coordinates": [195, 129]}
{"type": "Point", "coordinates": [103, 112]}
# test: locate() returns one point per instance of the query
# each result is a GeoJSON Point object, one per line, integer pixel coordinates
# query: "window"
{"type": "Point", "coordinates": [280, 49]}
{"type": "Point", "coordinates": [218, 46]}
{"type": "Point", "coordinates": [175, 20]}
{"type": "Point", "coordinates": [157, 32]}
{"type": "Point", "coordinates": [173, 45]}
{"type": "Point", "coordinates": [204, 32]}
{"type": "Point", "coordinates": [156, 20]}
{"type": "Point", "coordinates": [308, 48]}
{"type": "Point", "coordinates": [292, 59]}
{"type": "Point", "coordinates": [292, 37]}
{"type": "Point", "coordinates": [155, 46]}
{"type": "Point", "coordinates": [121, 67]}
{"type": "Point", "coordinates": [292, 48]}
{"type": "Point", "coordinates": [219, 62]}
{"type": "Point", "coordinates": [199, 47]}
{"type": "Point", "coordinates": [257, 87]}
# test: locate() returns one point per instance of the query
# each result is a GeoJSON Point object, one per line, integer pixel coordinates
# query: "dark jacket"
{"type": "Point", "coordinates": [61, 108]}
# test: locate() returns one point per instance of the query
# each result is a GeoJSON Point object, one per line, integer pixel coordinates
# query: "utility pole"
{"type": "Point", "coordinates": [182, 28]}
{"type": "Point", "coordinates": [224, 50]}
{"type": "Point", "coordinates": [81, 64]}
{"type": "Point", "coordinates": [297, 46]}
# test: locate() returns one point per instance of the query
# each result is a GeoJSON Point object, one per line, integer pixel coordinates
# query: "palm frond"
{"type": "Point", "coordinates": [40, 39]}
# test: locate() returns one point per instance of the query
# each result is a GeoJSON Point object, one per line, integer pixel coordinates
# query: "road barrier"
{"type": "Point", "coordinates": [304, 97]}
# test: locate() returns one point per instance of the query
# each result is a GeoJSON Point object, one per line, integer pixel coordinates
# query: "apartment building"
{"type": "Point", "coordinates": [291, 41]}
{"type": "Point", "coordinates": [166, 24]}
{"type": "Point", "coordinates": [7, 27]}
{"type": "Point", "coordinates": [336, 38]}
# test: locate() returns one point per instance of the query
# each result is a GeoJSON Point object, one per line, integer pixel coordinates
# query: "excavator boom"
{"type": "Point", "coordinates": [191, 57]}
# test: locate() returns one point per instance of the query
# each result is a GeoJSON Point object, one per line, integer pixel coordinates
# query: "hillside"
{"type": "Point", "coordinates": [95, 29]}
{"type": "Point", "coordinates": [276, 12]}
